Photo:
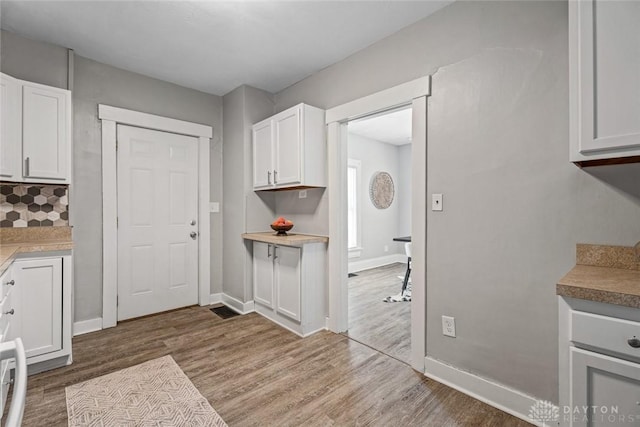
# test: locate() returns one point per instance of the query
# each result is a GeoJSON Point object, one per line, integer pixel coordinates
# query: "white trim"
{"type": "Point", "coordinates": [151, 121]}
{"type": "Point", "coordinates": [356, 164]}
{"type": "Point", "coordinates": [86, 326]}
{"type": "Point", "coordinates": [111, 117]}
{"type": "Point", "coordinates": [414, 93]}
{"type": "Point", "coordinates": [355, 252]}
{"type": "Point", "coordinates": [497, 395]}
{"type": "Point", "coordinates": [380, 101]}
{"type": "Point", "coordinates": [109, 226]}
{"type": "Point", "coordinates": [215, 298]}
{"type": "Point", "coordinates": [366, 264]}
{"type": "Point", "coordinates": [237, 305]}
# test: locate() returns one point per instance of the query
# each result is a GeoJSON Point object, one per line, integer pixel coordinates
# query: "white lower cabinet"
{"type": "Point", "coordinates": [609, 385]}
{"type": "Point", "coordinates": [6, 315]}
{"type": "Point", "coordinates": [41, 297]}
{"type": "Point", "coordinates": [288, 285]}
{"type": "Point", "coordinates": [599, 364]}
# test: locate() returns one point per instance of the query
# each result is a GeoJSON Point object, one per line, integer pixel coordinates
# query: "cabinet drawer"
{"type": "Point", "coordinates": [5, 317]}
{"type": "Point", "coordinates": [607, 333]}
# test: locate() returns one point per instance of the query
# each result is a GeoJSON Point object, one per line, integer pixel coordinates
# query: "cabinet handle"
{"type": "Point", "coordinates": [8, 382]}
{"type": "Point", "coordinates": [275, 177]}
{"type": "Point", "coordinates": [26, 166]}
{"type": "Point", "coordinates": [268, 251]}
{"type": "Point", "coordinates": [11, 282]}
{"type": "Point", "coordinates": [274, 252]}
{"type": "Point", "coordinates": [12, 311]}
{"type": "Point", "coordinates": [269, 177]}
{"type": "Point", "coordinates": [634, 342]}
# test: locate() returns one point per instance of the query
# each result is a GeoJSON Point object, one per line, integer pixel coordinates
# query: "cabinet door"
{"type": "Point", "coordinates": [605, 71]}
{"type": "Point", "coordinates": [287, 274]}
{"type": "Point", "coordinates": [45, 133]}
{"type": "Point", "coordinates": [10, 143]}
{"type": "Point", "coordinates": [262, 155]}
{"type": "Point", "coordinates": [263, 273]}
{"type": "Point", "coordinates": [608, 384]}
{"type": "Point", "coordinates": [288, 146]}
{"type": "Point", "coordinates": [38, 304]}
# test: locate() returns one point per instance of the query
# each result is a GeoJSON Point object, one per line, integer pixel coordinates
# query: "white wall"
{"type": "Point", "coordinates": [378, 226]}
{"type": "Point", "coordinates": [404, 190]}
{"type": "Point", "coordinates": [514, 206]}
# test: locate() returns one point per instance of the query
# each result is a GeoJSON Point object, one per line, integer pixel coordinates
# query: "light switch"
{"type": "Point", "coordinates": [436, 202]}
{"type": "Point", "coordinates": [214, 207]}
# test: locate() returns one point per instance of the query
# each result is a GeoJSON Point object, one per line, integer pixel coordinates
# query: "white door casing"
{"type": "Point", "coordinates": [412, 93]}
{"type": "Point", "coordinates": [110, 117]}
{"type": "Point", "coordinates": [157, 211]}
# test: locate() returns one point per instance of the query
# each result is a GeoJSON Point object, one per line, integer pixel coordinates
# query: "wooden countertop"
{"type": "Point", "coordinates": [291, 239]}
{"type": "Point", "coordinates": [609, 274]}
{"type": "Point", "coordinates": [14, 241]}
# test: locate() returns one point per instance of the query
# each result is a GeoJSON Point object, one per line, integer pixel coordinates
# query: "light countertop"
{"type": "Point", "coordinates": [609, 274]}
{"type": "Point", "coordinates": [291, 239]}
{"type": "Point", "coordinates": [32, 239]}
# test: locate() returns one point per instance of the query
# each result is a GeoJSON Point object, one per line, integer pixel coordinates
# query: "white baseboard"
{"type": "Point", "coordinates": [497, 395]}
{"type": "Point", "coordinates": [215, 298]}
{"type": "Point", "coordinates": [237, 305]}
{"type": "Point", "coordinates": [86, 326]}
{"type": "Point", "coordinates": [355, 266]}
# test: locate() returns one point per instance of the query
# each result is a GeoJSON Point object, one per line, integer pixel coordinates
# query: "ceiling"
{"type": "Point", "coordinates": [215, 46]}
{"type": "Point", "coordinates": [393, 128]}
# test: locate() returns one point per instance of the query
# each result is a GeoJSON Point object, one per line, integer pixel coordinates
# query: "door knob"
{"type": "Point", "coordinates": [11, 282]}
{"type": "Point", "coordinates": [634, 342]}
{"type": "Point", "coordinates": [193, 235]}
{"type": "Point", "coordinates": [12, 311]}
{"type": "Point", "coordinates": [193, 222]}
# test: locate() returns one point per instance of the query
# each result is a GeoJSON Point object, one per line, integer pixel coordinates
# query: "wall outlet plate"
{"type": "Point", "coordinates": [302, 194]}
{"type": "Point", "coordinates": [436, 202]}
{"type": "Point", "coordinates": [449, 326]}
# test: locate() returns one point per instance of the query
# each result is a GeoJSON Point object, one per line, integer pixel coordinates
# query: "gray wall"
{"type": "Point", "coordinates": [514, 206]}
{"type": "Point", "coordinates": [33, 61]}
{"type": "Point", "coordinates": [99, 83]}
{"type": "Point", "coordinates": [378, 226]}
{"type": "Point", "coordinates": [404, 190]}
{"type": "Point", "coordinates": [243, 209]}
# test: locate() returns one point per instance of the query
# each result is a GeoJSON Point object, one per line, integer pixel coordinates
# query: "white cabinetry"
{"type": "Point", "coordinates": [42, 300]}
{"type": "Point", "coordinates": [599, 364]}
{"type": "Point", "coordinates": [289, 150]}
{"type": "Point", "coordinates": [604, 53]}
{"type": "Point", "coordinates": [36, 132]}
{"type": "Point", "coordinates": [7, 311]}
{"type": "Point", "coordinates": [10, 129]}
{"type": "Point", "coordinates": [288, 284]}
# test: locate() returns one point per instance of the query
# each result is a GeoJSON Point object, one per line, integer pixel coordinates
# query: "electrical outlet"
{"type": "Point", "coordinates": [449, 326]}
{"type": "Point", "coordinates": [436, 202]}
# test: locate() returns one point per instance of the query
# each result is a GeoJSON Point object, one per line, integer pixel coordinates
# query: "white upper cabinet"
{"type": "Point", "coordinates": [604, 48]}
{"type": "Point", "coordinates": [10, 129]}
{"type": "Point", "coordinates": [36, 132]}
{"type": "Point", "coordinates": [289, 150]}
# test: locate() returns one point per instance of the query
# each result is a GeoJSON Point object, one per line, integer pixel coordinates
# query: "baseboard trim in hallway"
{"type": "Point", "coordinates": [497, 395]}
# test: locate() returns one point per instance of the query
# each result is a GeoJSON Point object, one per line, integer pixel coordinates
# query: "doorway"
{"type": "Point", "coordinates": [157, 221]}
{"type": "Point", "coordinates": [379, 231]}
{"type": "Point", "coordinates": [111, 118]}
{"type": "Point", "coordinates": [414, 92]}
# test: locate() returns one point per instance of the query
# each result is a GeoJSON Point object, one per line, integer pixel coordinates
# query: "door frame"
{"type": "Point", "coordinates": [110, 117]}
{"type": "Point", "coordinates": [411, 93]}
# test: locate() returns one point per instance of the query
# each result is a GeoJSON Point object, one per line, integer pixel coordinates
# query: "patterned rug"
{"type": "Point", "coordinates": [154, 393]}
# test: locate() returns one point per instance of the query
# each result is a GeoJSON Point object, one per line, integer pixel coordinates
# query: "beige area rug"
{"type": "Point", "coordinates": [154, 393]}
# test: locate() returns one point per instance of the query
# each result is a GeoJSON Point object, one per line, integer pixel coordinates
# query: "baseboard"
{"type": "Point", "coordinates": [355, 266]}
{"type": "Point", "coordinates": [215, 298]}
{"type": "Point", "coordinates": [497, 395]}
{"type": "Point", "coordinates": [237, 305]}
{"type": "Point", "coordinates": [86, 326]}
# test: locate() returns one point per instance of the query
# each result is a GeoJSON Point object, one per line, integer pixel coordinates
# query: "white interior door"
{"type": "Point", "coordinates": [157, 221]}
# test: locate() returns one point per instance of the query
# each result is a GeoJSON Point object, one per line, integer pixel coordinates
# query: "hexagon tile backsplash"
{"type": "Point", "coordinates": [33, 205]}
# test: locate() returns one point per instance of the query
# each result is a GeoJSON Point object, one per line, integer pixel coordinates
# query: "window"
{"type": "Point", "coordinates": [353, 204]}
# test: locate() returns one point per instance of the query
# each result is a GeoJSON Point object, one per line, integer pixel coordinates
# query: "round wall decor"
{"type": "Point", "coordinates": [381, 190]}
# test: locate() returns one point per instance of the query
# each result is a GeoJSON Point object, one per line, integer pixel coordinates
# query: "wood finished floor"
{"type": "Point", "coordinates": [384, 326]}
{"type": "Point", "coordinates": [255, 373]}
